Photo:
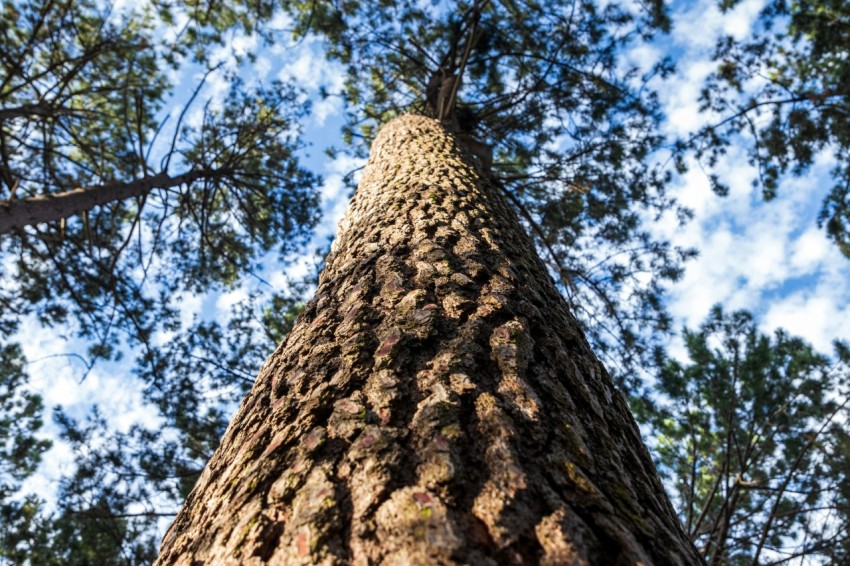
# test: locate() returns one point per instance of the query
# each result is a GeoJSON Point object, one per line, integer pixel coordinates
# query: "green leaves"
{"type": "Point", "coordinates": [81, 90]}
{"type": "Point", "coordinates": [21, 450]}
{"type": "Point", "coordinates": [20, 423]}
{"type": "Point", "coordinates": [103, 514]}
{"type": "Point", "coordinates": [122, 484]}
{"type": "Point", "coordinates": [257, 200]}
{"type": "Point", "coordinates": [750, 435]}
{"type": "Point", "coordinates": [191, 193]}
{"type": "Point", "coordinates": [795, 72]}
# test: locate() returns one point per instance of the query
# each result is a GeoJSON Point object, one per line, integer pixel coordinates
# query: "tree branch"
{"type": "Point", "coordinates": [44, 110]}
{"type": "Point", "coordinates": [16, 214]}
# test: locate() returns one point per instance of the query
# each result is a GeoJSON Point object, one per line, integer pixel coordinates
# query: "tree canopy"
{"type": "Point", "coordinates": [119, 194]}
{"type": "Point", "coordinates": [785, 86]}
{"type": "Point", "coordinates": [125, 200]}
{"type": "Point", "coordinates": [122, 191]}
{"type": "Point", "coordinates": [751, 434]}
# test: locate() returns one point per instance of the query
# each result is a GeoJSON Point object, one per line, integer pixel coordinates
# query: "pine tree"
{"type": "Point", "coordinates": [752, 437]}
{"type": "Point", "coordinates": [101, 195]}
{"type": "Point", "coordinates": [436, 402]}
{"type": "Point", "coordinates": [539, 94]}
{"type": "Point", "coordinates": [115, 204]}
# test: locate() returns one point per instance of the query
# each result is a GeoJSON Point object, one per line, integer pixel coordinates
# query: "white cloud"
{"type": "Point", "coordinates": [334, 193]}
{"type": "Point", "coordinates": [307, 67]}
{"type": "Point", "coordinates": [766, 257]}
{"type": "Point", "coordinates": [306, 70]}
{"type": "Point", "coordinates": [325, 108]}
{"type": "Point", "coordinates": [238, 45]}
{"type": "Point", "coordinates": [697, 28]}
{"type": "Point", "coordinates": [262, 67]}
{"type": "Point", "coordinates": [227, 300]}
{"type": "Point", "coordinates": [818, 315]}
{"type": "Point", "coordinates": [739, 21]}
{"type": "Point", "coordinates": [242, 44]}
{"type": "Point", "coordinates": [644, 56]}
{"type": "Point", "coordinates": [281, 21]}
{"type": "Point", "coordinates": [810, 250]}
{"type": "Point", "coordinates": [296, 270]}
{"type": "Point", "coordinates": [680, 95]}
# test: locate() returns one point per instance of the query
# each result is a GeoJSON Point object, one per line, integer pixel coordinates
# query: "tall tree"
{"type": "Point", "coordinates": [551, 118]}
{"type": "Point", "coordinates": [436, 401]}
{"type": "Point", "coordinates": [786, 86]}
{"type": "Point", "coordinates": [752, 435]}
{"type": "Point", "coordinates": [541, 94]}
{"type": "Point", "coordinates": [549, 112]}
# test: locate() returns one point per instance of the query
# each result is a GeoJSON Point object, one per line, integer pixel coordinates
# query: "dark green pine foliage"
{"type": "Point", "coordinates": [20, 423]}
{"type": "Point", "coordinates": [86, 101]}
{"type": "Point", "coordinates": [98, 518]}
{"type": "Point", "coordinates": [20, 448]}
{"type": "Point", "coordinates": [224, 192]}
{"type": "Point", "coordinates": [124, 486]}
{"type": "Point", "coordinates": [213, 366]}
{"type": "Point", "coordinates": [751, 436]}
{"type": "Point", "coordinates": [786, 88]}
{"type": "Point", "coordinates": [549, 109]}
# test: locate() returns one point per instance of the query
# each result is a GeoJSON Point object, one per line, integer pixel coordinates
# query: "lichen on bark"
{"type": "Point", "coordinates": [436, 403]}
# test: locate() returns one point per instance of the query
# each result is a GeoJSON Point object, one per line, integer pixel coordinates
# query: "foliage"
{"type": "Point", "coordinates": [199, 24]}
{"type": "Point", "coordinates": [787, 87]}
{"type": "Point", "coordinates": [551, 113]}
{"type": "Point", "coordinates": [87, 103]}
{"type": "Point", "coordinates": [238, 192]}
{"type": "Point", "coordinates": [214, 366]}
{"type": "Point", "coordinates": [752, 439]}
{"type": "Point", "coordinates": [20, 447]}
{"type": "Point", "coordinates": [110, 507]}
{"type": "Point", "coordinates": [545, 94]}
{"type": "Point", "coordinates": [95, 522]}
{"type": "Point", "coordinates": [20, 422]}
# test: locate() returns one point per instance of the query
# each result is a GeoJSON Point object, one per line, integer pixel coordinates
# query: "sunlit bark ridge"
{"type": "Point", "coordinates": [436, 402]}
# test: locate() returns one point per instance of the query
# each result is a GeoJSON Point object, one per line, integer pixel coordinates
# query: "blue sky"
{"type": "Point", "coordinates": [769, 258]}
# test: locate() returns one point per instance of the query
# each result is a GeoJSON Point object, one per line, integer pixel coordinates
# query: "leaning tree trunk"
{"type": "Point", "coordinates": [436, 403]}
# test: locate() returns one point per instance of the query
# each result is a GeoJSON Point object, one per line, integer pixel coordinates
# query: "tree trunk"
{"type": "Point", "coordinates": [435, 404]}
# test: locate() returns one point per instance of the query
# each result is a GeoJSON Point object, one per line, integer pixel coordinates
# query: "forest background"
{"type": "Point", "coordinates": [666, 159]}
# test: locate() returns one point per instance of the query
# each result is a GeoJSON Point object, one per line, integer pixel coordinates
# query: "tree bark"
{"type": "Point", "coordinates": [436, 402]}
{"type": "Point", "coordinates": [16, 214]}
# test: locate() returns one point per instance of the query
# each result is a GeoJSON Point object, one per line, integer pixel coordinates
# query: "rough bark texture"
{"type": "Point", "coordinates": [435, 404]}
